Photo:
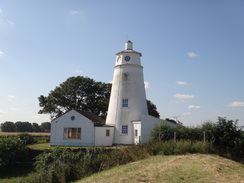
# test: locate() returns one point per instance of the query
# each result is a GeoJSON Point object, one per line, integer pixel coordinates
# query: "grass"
{"type": "Point", "coordinates": [47, 146]}
{"type": "Point", "coordinates": [174, 169]}
{"type": "Point", "coordinates": [17, 174]}
{"type": "Point", "coordinates": [41, 146]}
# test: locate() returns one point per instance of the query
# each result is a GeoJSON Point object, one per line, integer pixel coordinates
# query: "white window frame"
{"type": "Point", "coordinates": [125, 102]}
{"type": "Point", "coordinates": [124, 129]}
{"type": "Point", "coordinates": [67, 133]}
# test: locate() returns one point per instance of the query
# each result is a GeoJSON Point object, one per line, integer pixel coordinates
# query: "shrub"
{"type": "Point", "coordinates": [228, 138]}
{"type": "Point", "coordinates": [12, 151]}
{"type": "Point", "coordinates": [26, 138]}
{"type": "Point", "coordinates": [162, 132]}
{"type": "Point", "coordinates": [225, 135]}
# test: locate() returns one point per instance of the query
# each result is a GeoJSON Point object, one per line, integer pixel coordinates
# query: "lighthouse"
{"type": "Point", "coordinates": [127, 102]}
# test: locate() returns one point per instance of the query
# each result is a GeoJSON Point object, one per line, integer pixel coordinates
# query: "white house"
{"type": "Point", "coordinates": [75, 128]}
{"type": "Point", "coordinates": [127, 121]}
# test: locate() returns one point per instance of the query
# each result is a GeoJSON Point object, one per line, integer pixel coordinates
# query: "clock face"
{"type": "Point", "coordinates": [127, 58]}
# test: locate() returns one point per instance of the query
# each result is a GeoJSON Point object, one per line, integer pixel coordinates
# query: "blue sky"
{"type": "Point", "coordinates": [192, 53]}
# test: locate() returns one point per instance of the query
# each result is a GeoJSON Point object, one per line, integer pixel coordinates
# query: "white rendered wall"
{"type": "Point", "coordinates": [100, 136]}
{"type": "Point", "coordinates": [64, 121]}
{"type": "Point", "coordinates": [148, 123]}
{"type": "Point", "coordinates": [128, 83]}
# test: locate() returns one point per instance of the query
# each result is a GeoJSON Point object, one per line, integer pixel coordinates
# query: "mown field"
{"type": "Point", "coordinates": [192, 168]}
{"type": "Point", "coordinates": [31, 133]}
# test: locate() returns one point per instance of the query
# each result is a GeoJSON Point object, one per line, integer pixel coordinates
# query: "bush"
{"type": "Point", "coordinates": [12, 151]}
{"type": "Point", "coordinates": [229, 139]}
{"type": "Point", "coordinates": [225, 135]}
{"type": "Point", "coordinates": [163, 132]}
{"type": "Point", "coordinates": [26, 138]}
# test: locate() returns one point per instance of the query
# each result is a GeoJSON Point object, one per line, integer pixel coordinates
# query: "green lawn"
{"type": "Point", "coordinates": [41, 146]}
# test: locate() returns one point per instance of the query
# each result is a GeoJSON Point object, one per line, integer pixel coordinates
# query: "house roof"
{"type": "Point", "coordinates": [95, 119]}
{"type": "Point", "coordinates": [92, 117]}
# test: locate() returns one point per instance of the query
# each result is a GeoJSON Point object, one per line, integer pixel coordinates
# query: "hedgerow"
{"type": "Point", "coordinates": [225, 135]}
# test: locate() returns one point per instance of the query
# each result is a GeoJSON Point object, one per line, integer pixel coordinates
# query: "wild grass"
{"type": "Point", "coordinates": [190, 168]}
{"type": "Point", "coordinates": [62, 165]}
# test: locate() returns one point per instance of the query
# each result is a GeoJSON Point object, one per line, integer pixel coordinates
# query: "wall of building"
{"type": "Point", "coordinates": [128, 83]}
{"type": "Point", "coordinates": [148, 123]}
{"type": "Point", "coordinates": [100, 136]}
{"type": "Point", "coordinates": [65, 121]}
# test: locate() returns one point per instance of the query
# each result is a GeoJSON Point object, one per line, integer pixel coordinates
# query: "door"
{"type": "Point", "coordinates": [137, 132]}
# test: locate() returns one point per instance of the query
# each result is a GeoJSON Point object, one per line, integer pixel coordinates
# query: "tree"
{"type": "Point", "coordinates": [80, 93]}
{"type": "Point", "coordinates": [152, 109]}
{"type": "Point", "coordinates": [83, 94]}
{"type": "Point", "coordinates": [8, 126]}
{"type": "Point", "coordinates": [45, 127]}
{"type": "Point", "coordinates": [23, 127]}
{"type": "Point", "coordinates": [36, 127]}
{"type": "Point", "coordinates": [227, 134]}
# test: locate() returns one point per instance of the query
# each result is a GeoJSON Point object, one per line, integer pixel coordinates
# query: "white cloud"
{"type": "Point", "coordinates": [146, 84]}
{"type": "Point", "coordinates": [74, 12]}
{"type": "Point", "coordinates": [191, 54]}
{"type": "Point", "coordinates": [183, 96]}
{"type": "Point", "coordinates": [3, 20]}
{"type": "Point", "coordinates": [2, 112]}
{"type": "Point", "coordinates": [181, 83]}
{"type": "Point", "coordinates": [194, 107]}
{"type": "Point", "coordinates": [1, 53]}
{"type": "Point", "coordinates": [236, 104]}
{"type": "Point", "coordinates": [11, 98]}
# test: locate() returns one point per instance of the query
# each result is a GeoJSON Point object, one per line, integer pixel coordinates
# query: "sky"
{"type": "Point", "coordinates": [192, 53]}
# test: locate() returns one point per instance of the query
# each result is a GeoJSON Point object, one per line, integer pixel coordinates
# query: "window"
{"type": "Point", "coordinates": [136, 133]}
{"type": "Point", "coordinates": [124, 129]}
{"type": "Point", "coordinates": [125, 103]}
{"type": "Point", "coordinates": [72, 133]}
{"type": "Point", "coordinates": [107, 133]}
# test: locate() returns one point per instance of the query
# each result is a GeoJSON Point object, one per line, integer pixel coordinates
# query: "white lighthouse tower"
{"type": "Point", "coordinates": [128, 98]}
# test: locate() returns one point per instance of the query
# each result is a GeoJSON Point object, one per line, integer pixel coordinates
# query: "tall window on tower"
{"type": "Point", "coordinates": [124, 102]}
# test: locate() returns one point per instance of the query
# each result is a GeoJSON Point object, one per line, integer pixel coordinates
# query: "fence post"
{"type": "Point", "coordinates": [204, 137]}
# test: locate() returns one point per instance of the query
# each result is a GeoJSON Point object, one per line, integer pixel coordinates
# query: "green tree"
{"type": "Point", "coordinates": [8, 126]}
{"type": "Point", "coordinates": [83, 94]}
{"type": "Point", "coordinates": [36, 127]}
{"type": "Point", "coordinates": [152, 109]}
{"type": "Point", "coordinates": [45, 126]}
{"type": "Point", "coordinates": [227, 135]}
{"type": "Point", "coordinates": [80, 93]}
{"type": "Point", "coordinates": [23, 127]}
